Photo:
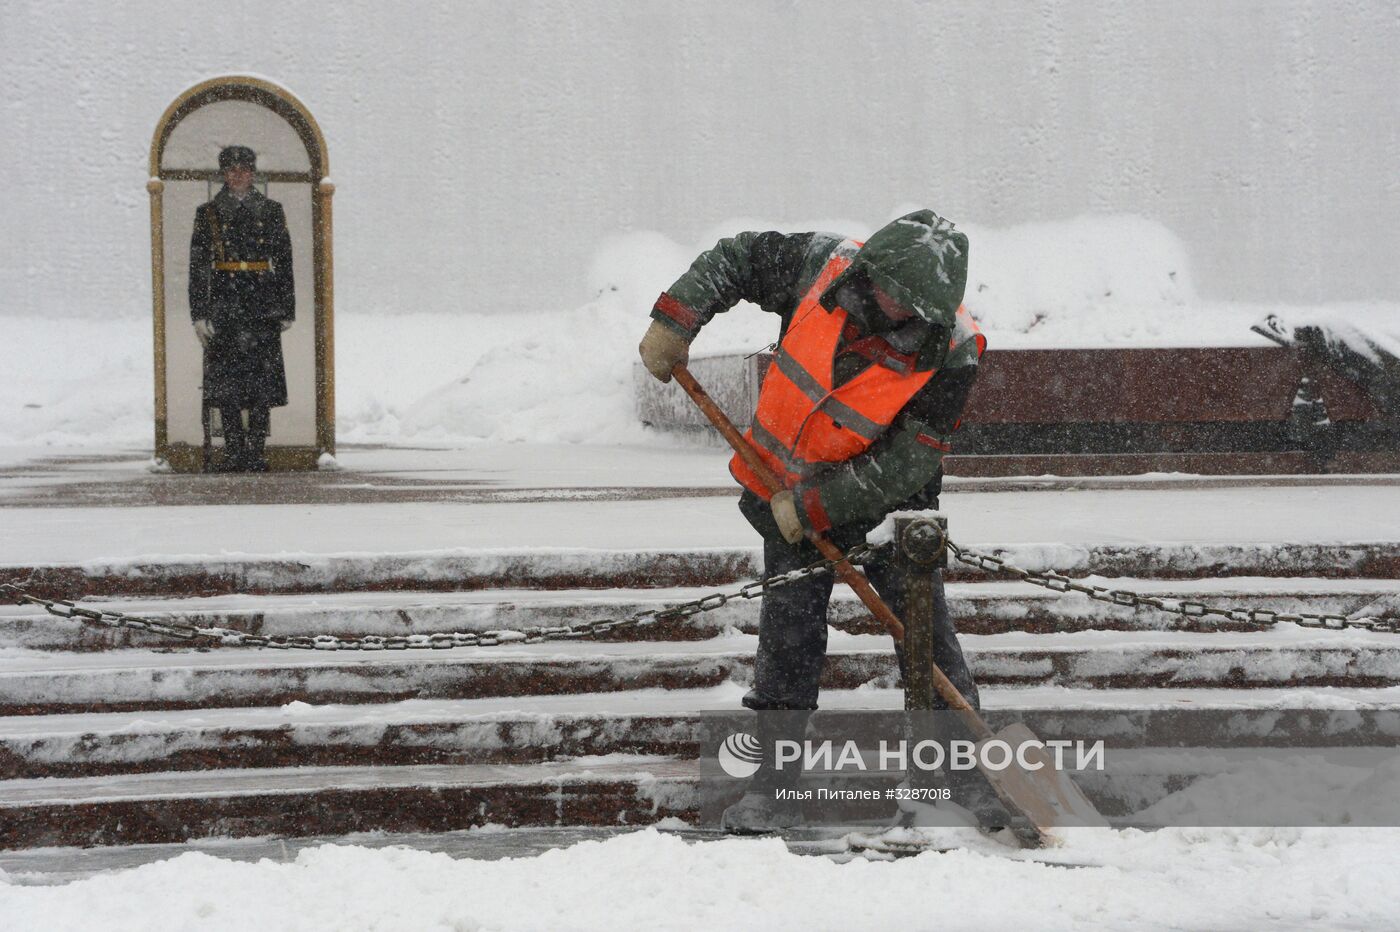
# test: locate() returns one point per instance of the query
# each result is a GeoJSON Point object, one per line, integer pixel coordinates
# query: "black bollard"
{"type": "Point", "coordinates": [921, 547]}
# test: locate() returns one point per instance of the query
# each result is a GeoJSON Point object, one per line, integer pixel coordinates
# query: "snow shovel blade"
{"type": "Point", "coordinates": [1046, 796]}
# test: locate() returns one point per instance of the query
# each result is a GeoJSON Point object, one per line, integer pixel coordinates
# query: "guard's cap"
{"type": "Point", "coordinates": [237, 155]}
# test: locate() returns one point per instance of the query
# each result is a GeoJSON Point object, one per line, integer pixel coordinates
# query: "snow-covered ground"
{"type": "Point", "coordinates": [1054, 524]}
{"type": "Point", "coordinates": [1170, 879]}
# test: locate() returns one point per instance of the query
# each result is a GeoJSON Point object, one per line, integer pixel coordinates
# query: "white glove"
{"type": "Point", "coordinates": [286, 325]}
{"type": "Point", "coordinates": [785, 513]}
{"type": "Point", "coordinates": [204, 330]}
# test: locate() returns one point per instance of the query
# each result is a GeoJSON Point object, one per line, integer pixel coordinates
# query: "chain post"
{"type": "Point", "coordinates": [920, 552]}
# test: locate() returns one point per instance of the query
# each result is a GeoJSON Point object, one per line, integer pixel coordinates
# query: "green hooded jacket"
{"type": "Point", "coordinates": [920, 260]}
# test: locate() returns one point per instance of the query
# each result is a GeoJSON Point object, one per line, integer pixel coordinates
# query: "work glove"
{"type": "Point", "coordinates": [204, 330]}
{"type": "Point", "coordinates": [661, 349]}
{"type": "Point", "coordinates": [286, 325]}
{"type": "Point", "coordinates": [785, 513]}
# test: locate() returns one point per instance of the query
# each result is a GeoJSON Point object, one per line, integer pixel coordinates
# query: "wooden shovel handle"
{"type": "Point", "coordinates": [849, 574]}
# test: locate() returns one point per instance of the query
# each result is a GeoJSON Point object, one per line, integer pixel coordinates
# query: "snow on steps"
{"type": "Point", "coordinates": [980, 608]}
{"type": "Point", "coordinates": [466, 570]}
{"type": "Point", "coordinates": [535, 729]}
{"type": "Point", "coordinates": [156, 808]}
{"type": "Point", "coordinates": [228, 798]}
{"type": "Point", "coordinates": [615, 789]}
{"type": "Point", "coordinates": [39, 683]}
{"type": "Point", "coordinates": [371, 765]}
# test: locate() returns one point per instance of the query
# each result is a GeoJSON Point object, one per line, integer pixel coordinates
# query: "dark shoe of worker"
{"type": "Point", "coordinates": [255, 465]}
{"type": "Point", "coordinates": [758, 813]}
{"type": "Point", "coordinates": [661, 348]}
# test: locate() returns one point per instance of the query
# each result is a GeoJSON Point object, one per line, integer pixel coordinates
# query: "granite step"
{"type": "Point", "coordinates": [515, 731]}
{"type": "Point", "coordinates": [471, 570]}
{"type": "Point", "coordinates": [34, 683]}
{"type": "Point", "coordinates": [175, 807]}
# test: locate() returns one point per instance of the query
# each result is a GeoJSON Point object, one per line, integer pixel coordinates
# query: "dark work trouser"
{"type": "Point", "coordinates": [792, 630]}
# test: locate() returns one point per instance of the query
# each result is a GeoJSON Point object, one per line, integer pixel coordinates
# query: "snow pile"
{"type": "Point", "coordinates": [1089, 282]}
{"type": "Point", "coordinates": [1239, 879]}
{"type": "Point", "coordinates": [566, 376]}
{"type": "Point", "coordinates": [1054, 268]}
{"type": "Point", "coordinates": [76, 382]}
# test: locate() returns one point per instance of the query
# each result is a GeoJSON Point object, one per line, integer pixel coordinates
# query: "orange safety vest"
{"type": "Point", "coordinates": [803, 421]}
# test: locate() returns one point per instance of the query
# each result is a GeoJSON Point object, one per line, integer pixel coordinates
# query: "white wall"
{"type": "Point", "coordinates": [482, 148]}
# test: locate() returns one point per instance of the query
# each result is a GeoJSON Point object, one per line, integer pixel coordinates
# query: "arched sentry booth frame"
{"type": "Point", "coordinates": [292, 168]}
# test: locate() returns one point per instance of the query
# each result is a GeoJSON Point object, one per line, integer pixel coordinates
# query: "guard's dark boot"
{"type": "Point", "coordinates": [235, 441]}
{"type": "Point", "coordinates": [230, 460]}
{"type": "Point", "coordinates": [253, 460]}
{"type": "Point", "coordinates": [769, 803]}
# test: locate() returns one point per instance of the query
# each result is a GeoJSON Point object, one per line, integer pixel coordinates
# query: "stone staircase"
{"type": "Point", "coordinates": [113, 737]}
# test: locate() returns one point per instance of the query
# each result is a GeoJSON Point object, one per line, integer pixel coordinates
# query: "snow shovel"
{"type": "Point", "coordinates": [1046, 797]}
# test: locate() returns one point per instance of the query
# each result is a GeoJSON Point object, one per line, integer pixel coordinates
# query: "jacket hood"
{"type": "Point", "coordinates": [920, 260]}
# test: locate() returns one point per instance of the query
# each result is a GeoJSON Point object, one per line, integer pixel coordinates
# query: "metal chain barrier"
{"type": "Point", "coordinates": [1261, 618]}
{"type": "Point", "coordinates": [62, 608]}
{"type": "Point", "coordinates": [1055, 582]}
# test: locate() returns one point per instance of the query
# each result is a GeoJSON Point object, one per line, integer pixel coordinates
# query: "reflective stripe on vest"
{"type": "Point", "coordinates": [839, 410]}
{"type": "Point", "coordinates": [803, 421]}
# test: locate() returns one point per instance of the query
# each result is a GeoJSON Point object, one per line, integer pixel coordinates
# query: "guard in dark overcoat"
{"type": "Point", "coordinates": [241, 299]}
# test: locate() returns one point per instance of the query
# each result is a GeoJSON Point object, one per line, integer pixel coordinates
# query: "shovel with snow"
{"type": "Point", "coordinates": [1045, 797]}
